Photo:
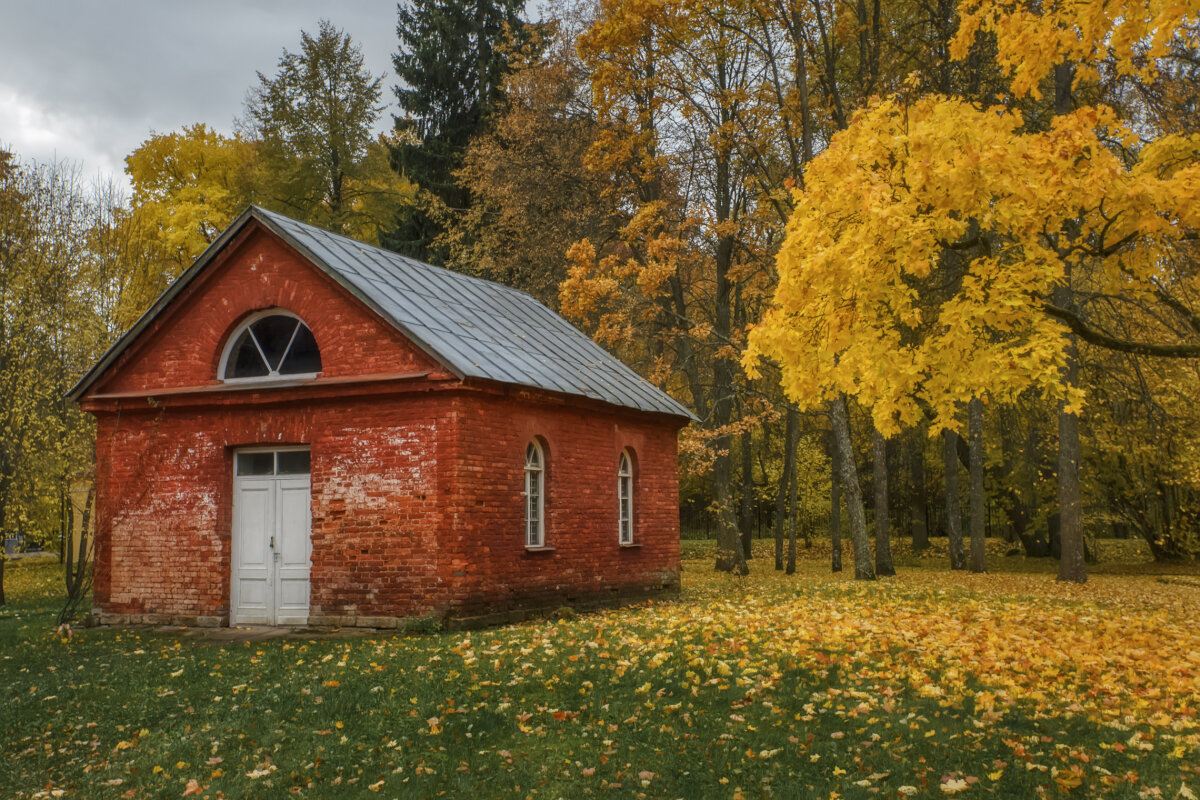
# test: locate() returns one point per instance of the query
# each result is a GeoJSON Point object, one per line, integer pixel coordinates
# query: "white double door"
{"type": "Point", "coordinates": [272, 538]}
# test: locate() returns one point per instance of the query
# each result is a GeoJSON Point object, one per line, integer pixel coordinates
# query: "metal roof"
{"type": "Point", "coordinates": [475, 328]}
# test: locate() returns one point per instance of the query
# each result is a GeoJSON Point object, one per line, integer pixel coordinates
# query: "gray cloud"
{"type": "Point", "coordinates": [89, 81]}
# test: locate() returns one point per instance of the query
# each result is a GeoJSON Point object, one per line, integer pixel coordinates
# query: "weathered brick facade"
{"type": "Point", "coordinates": [416, 475]}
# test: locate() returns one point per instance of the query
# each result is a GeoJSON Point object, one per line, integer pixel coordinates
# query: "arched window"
{"type": "Point", "coordinates": [535, 485]}
{"type": "Point", "coordinates": [625, 499]}
{"type": "Point", "coordinates": [270, 346]}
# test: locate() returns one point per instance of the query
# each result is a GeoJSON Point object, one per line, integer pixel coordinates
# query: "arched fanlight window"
{"type": "Point", "coordinates": [625, 499]}
{"type": "Point", "coordinates": [535, 484]}
{"type": "Point", "coordinates": [270, 346]}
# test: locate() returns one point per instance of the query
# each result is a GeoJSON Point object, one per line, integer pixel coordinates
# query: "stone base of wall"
{"type": "Point", "coordinates": [452, 620]}
{"type": "Point", "coordinates": [188, 620]}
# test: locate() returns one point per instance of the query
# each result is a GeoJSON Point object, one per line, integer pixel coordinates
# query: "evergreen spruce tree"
{"type": "Point", "coordinates": [451, 64]}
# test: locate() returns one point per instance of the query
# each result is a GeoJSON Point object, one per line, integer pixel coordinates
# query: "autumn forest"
{"type": "Point", "coordinates": [927, 273]}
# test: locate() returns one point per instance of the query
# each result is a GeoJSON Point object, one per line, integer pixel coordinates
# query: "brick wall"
{"type": "Point", "coordinates": [416, 485]}
{"type": "Point", "coordinates": [416, 506]}
{"type": "Point", "coordinates": [483, 545]}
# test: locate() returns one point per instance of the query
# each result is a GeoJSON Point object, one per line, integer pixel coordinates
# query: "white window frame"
{"type": "Point", "coordinates": [269, 448]}
{"type": "Point", "coordinates": [271, 377]}
{"type": "Point", "coordinates": [535, 495]}
{"type": "Point", "coordinates": [625, 498]}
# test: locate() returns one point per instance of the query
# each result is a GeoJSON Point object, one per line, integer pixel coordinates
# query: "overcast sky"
{"type": "Point", "coordinates": [89, 81]}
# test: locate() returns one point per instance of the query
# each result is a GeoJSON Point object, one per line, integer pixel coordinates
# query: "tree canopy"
{"type": "Point", "coordinates": [313, 121]}
{"type": "Point", "coordinates": [940, 191]}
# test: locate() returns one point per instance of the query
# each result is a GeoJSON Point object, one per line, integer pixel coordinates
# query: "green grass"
{"type": "Point", "coordinates": [762, 688]}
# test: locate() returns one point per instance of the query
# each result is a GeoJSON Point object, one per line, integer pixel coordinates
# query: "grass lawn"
{"type": "Point", "coordinates": [929, 684]}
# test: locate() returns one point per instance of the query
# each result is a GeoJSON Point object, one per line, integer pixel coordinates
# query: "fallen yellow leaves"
{"type": "Point", "coordinates": [261, 772]}
{"type": "Point", "coordinates": [953, 786]}
{"type": "Point", "coordinates": [1120, 651]}
{"type": "Point", "coordinates": [806, 685]}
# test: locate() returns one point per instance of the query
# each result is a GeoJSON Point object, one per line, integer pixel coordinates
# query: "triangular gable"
{"type": "Point", "coordinates": [130, 342]}
{"type": "Point", "coordinates": [179, 347]}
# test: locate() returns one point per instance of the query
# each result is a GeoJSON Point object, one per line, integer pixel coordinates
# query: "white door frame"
{"type": "Point", "coordinates": [271, 552]}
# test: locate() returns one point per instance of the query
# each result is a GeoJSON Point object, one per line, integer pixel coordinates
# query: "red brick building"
{"type": "Point", "coordinates": [306, 429]}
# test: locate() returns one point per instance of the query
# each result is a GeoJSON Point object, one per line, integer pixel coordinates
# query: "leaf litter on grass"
{"type": "Point", "coordinates": [931, 684]}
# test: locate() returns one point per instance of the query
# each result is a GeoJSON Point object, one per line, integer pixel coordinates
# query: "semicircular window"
{"type": "Point", "coordinates": [273, 346]}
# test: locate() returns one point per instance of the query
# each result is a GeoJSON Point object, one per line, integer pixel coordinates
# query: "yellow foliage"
{"type": "Point", "coordinates": [1032, 38]}
{"type": "Point", "coordinates": [190, 185]}
{"type": "Point", "coordinates": [928, 239]}
{"type": "Point", "coordinates": [1009, 638]}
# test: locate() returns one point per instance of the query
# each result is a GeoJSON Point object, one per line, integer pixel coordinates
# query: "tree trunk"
{"type": "Point", "coordinates": [75, 575]}
{"type": "Point", "coordinates": [953, 511]}
{"type": "Point", "coordinates": [747, 520]}
{"type": "Point", "coordinates": [791, 423]}
{"type": "Point", "coordinates": [1072, 564]}
{"type": "Point", "coordinates": [975, 435]}
{"type": "Point", "coordinates": [6, 484]}
{"type": "Point", "coordinates": [793, 520]}
{"type": "Point", "coordinates": [883, 546]}
{"type": "Point", "coordinates": [730, 555]}
{"type": "Point", "coordinates": [864, 570]}
{"type": "Point", "coordinates": [780, 513]}
{"type": "Point", "coordinates": [64, 517]}
{"type": "Point", "coordinates": [835, 510]}
{"type": "Point", "coordinates": [1072, 552]}
{"type": "Point", "coordinates": [918, 508]}
{"type": "Point", "coordinates": [1072, 567]}
{"type": "Point", "coordinates": [801, 79]}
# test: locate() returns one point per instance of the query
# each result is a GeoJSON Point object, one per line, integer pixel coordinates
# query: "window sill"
{"type": "Point", "coordinates": [545, 548]}
{"type": "Point", "coordinates": [276, 379]}
{"type": "Point", "coordinates": [630, 545]}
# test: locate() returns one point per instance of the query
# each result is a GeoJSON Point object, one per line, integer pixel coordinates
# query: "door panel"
{"type": "Point", "coordinates": [253, 526]}
{"type": "Point", "coordinates": [294, 550]}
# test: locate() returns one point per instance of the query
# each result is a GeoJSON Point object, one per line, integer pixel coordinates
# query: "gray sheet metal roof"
{"type": "Point", "coordinates": [475, 328]}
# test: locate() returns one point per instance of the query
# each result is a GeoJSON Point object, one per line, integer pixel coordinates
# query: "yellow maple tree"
{"type": "Point", "coordinates": [906, 186]}
{"type": "Point", "coordinates": [943, 253]}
